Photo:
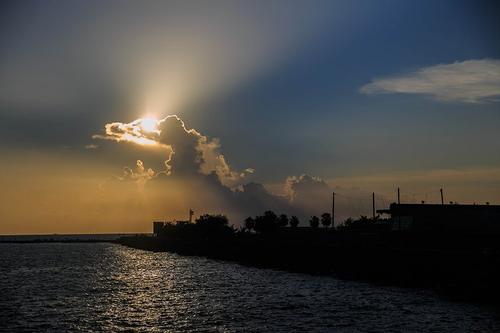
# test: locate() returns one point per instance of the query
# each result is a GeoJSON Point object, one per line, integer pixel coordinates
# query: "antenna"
{"type": "Point", "coordinates": [399, 197]}
{"type": "Point", "coordinates": [442, 198]}
{"type": "Point", "coordinates": [333, 210]}
{"type": "Point", "coordinates": [373, 205]}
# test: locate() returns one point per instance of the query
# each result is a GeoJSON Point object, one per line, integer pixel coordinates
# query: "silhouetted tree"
{"type": "Point", "coordinates": [259, 225]}
{"type": "Point", "coordinates": [326, 220]}
{"type": "Point", "coordinates": [294, 221]}
{"type": "Point", "coordinates": [348, 222]}
{"type": "Point", "coordinates": [212, 221]}
{"type": "Point", "coordinates": [270, 216]}
{"type": "Point", "coordinates": [213, 226]}
{"type": "Point", "coordinates": [267, 222]}
{"type": "Point", "coordinates": [363, 219]}
{"type": "Point", "coordinates": [283, 220]}
{"type": "Point", "coordinates": [365, 223]}
{"type": "Point", "coordinates": [314, 221]}
{"type": "Point", "coordinates": [249, 223]}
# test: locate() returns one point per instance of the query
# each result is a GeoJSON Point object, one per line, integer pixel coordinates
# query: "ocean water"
{"type": "Point", "coordinates": [62, 237]}
{"type": "Point", "coordinates": [102, 287]}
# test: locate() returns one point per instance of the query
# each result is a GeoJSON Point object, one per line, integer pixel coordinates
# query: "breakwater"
{"type": "Point", "coordinates": [464, 267]}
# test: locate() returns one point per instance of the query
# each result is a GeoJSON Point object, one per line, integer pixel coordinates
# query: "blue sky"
{"type": "Point", "coordinates": [313, 104]}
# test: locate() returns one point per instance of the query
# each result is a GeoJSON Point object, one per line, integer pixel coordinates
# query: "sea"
{"type": "Point", "coordinates": [105, 287]}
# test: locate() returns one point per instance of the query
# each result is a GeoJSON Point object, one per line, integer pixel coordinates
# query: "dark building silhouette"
{"type": "Point", "coordinates": [439, 217]}
{"type": "Point", "coordinates": [158, 227]}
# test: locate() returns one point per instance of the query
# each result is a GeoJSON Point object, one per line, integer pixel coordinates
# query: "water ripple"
{"type": "Point", "coordinates": [110, 288]}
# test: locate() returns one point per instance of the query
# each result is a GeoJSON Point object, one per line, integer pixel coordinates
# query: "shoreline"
{"type": "Point", "coordinates": [64, 238]}
{"type": "Point", "coordinates": [457, 273]}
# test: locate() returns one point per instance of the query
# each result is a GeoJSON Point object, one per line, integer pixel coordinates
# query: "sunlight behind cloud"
{"type": "Point", "coordinates": [149, 124]}
{"type": "Point", "coordinates": [140, 131]}
{"type": "Point", "coordinates": [188, 151]}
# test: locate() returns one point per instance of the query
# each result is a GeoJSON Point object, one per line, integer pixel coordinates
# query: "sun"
{"type": "Point", "coordinates": [149, 124]}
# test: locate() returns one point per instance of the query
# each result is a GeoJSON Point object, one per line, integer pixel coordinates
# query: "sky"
{"type": "Point", "coordinates": [115, 113]}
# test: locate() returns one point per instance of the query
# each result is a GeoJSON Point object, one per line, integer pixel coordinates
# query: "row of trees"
{"type": "Point", "coordinates": [270, 221]}
{"type": "Point", "coordinates": [326, 220]}
{"type": "Point", "coordinates": [218, 225]}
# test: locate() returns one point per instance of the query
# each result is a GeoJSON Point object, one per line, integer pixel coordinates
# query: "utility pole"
{"type": "Point", "coordinates": [399, 197]}
{"type": "Point", "coordinates": [333, 210]}
{"type": "Point", "coordinates": [373, 205]}
{"type": "Point", "coordinates": [442, 198]}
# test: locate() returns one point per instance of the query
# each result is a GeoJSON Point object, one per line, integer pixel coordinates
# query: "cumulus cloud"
{"type": "Point", "coordinates": [141, 175]}
{"type": "Point", "coordinates": [255, 199]}
{"type": "Point", "coordinates": [296, 188]}
{"type": "Point", "coordinates": [469, 81]}
{"type": "Point", "coordinates": [187, 151]}
{"type": "Point", "coordinates": [134, 132]}
{"type": "Point", "coordinates": [308, 194]}
{"type": "Point", "coordinates": [138, 174]}
{"type": "Point", "coordinates": [197, 176]}
{"type": "Point", "coordinates": [311, 195]}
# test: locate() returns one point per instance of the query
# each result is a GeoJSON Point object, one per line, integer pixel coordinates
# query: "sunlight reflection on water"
{"type": "Point", "coordinates": [105, 287]}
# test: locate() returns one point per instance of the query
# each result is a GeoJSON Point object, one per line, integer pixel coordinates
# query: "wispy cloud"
{"type": "Point", "coordinates": [469, 81]}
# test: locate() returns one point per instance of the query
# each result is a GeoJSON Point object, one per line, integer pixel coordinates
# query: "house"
{"type": "Point", "coordinates": [441, 218]}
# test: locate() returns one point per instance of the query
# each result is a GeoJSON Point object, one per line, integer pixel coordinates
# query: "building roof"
{"type": "Point", "coordinates": [395, 208]}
